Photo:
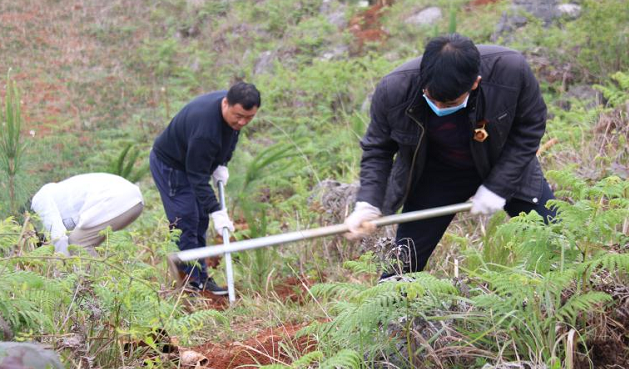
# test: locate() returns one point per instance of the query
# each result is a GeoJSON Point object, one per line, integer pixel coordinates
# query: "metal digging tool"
{"type": "Point", "coordinates": [172, 261]}
{"type": "Point", "coordinates": [228, 257]}
{"type": "Point", "coordinates": [227, 249]}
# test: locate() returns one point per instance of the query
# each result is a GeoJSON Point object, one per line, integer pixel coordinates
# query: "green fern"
{"type": "Point", "coordinates": [196, 321]}
{"type": "Point", "coordinates": [611, 262]}
{"type": "Point", "coordinates": [364, 265]}
{"type": "Point", "coordinates": [10, 231]}
{"type": "Point", "coordinates": [344, 290]}
{"type": "Point", "coordinates": [582, 304]}
{"type": "Point", "coordinates": [349, 359]}
{"type": "Point", "coordinates": [307, 360]}
{"type": "Point", "coordinates": [616, 91]}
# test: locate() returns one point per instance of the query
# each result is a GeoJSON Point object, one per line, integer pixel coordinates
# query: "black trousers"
{"type": "Point", "coordinates": [183, 211]}
{"type": "Point", "coordinates": [445, 187]}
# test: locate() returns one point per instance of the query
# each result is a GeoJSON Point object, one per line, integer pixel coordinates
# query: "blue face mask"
{"type": "Point", "coordinates": [446, 111]}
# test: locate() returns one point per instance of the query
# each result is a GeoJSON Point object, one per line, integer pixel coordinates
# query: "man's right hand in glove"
{"type": "Point", "coordinates": [61, 245]}
{"type": "Point", "coordinates": [358, 221]}
{"type": "Point", "coordinates": [221, 220]}
{"type": "Point", "coordinates": [221, 173]}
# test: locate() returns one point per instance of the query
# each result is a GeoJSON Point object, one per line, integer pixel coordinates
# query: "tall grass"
{"type": "Point", "coordinates": [11, 145]}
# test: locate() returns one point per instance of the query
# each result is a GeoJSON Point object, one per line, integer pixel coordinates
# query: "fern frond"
{"type": "Point", "coordinates": [346, 290]}
{"type": "Point", "coordinates": [347, 358]}
{"type": "Point", "coordinates": [364, 265]}
{"type": "Point", "coordinates": [582, 303]}
{"type": "Point", "coordinates": [196, 321]}
{"type": "Point", "coordinates": [311, 329]}
{"type": "Point", "coordinates": [612, 262]}
{"type": "Point", "coordinates": [566, 179]}
{"type": "Point", "coordinates": [307, 360]}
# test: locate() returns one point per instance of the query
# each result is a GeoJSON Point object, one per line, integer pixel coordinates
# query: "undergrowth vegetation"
{"type": "Point", "coordinates": [497, 291]}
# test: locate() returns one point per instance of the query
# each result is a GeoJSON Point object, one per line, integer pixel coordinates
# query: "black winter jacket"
{"type": "Point", "coordinates": [507, 100]}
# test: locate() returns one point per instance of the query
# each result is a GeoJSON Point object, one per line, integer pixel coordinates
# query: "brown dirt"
{"type": "Point", "coordinates": [272, 346]}
{"type": "Point", "coordinates": [482, 2]}
{"type": "Point", "coordinates": [366, 26]}
{"type": "Point", "coordinates": [40, 32]}
{"type": "Point", "coordinates": [289, 289]}
{"type": "Point", "coordinates": [293, 289]}
{"type": "Point", "coordinates": [609, 348]}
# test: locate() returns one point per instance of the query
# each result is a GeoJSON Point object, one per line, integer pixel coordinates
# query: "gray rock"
{"type": "Point", "coordinates": [515, 365]}
{"type": "Point", "coordinates": [195, 3]}
{"type": "Point", "coordinates": [545, 10]}
{"type": "Point", "coordinates": [25, 355]}
{"type": "Point", "coordinates": [366, 105]}
{"type": "Point", "coordinates": [571, 11]}
{"type": "Point", "coordinates": [425, 17]}
{"type": "Point", "coordinates": [326, 7]}
{"type": "Point", "coordinates": [586, 95]}
{"type": "Point", "coordinates": [264, 64]}
{"type": "Point", "coordinates": [508, 24]}
{"type": "Point", "coordinates": [195, 65]}
{"type": "Point", "coordinates": [516, 17]}
{"type": "Point", "coordinates": [338, 19]}
{"type": "Point", "coordinates": [338, 52]}
{"type": "Point", "coordinates": [334, 12]}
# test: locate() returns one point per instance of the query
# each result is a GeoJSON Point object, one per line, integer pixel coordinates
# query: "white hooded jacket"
{"type": "Point", "coordinates": [83, 201]}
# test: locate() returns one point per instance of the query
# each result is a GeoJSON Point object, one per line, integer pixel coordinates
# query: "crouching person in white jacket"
{"type": "Point", "coordinates": [77, 209]}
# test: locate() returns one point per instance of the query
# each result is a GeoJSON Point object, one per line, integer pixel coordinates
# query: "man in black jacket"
{"type": "Point", "coordinates": [194, 148]}
{"type": "Point", "coordinates": [461, 121]}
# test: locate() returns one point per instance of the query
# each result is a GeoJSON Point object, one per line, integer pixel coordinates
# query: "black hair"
{"type": "Point", "coordinates": [449, 67]}
{"type": "Point", "coordinates": [245, 94]}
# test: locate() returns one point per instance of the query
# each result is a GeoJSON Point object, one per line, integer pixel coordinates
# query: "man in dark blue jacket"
{"type": "Point", "coordinates": [194, 148]}
{"type": "Point", "coordinates": [461, 121]}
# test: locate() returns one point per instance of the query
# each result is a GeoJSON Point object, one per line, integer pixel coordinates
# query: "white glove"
{"type": "Point", "coordinates": [220, 174]}
{"type": "Point", "coordinates": [61, 245]}
{"type": "Point", "coordinates": [221, 220]}
{"type": "Point", "coordinates": [486, 202]}
{"type": "Point", "coordinates": [358, 221]}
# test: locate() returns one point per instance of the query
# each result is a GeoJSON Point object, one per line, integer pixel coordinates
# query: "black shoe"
{"type": "Point", "coordinates": [395, 278]}
{"type": "Point", "coordinates": [209, 285]}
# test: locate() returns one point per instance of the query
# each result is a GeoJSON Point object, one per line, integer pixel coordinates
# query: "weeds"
{"type": "Point", "coordinates": [532, 294]}
{"type": "Point", "coordinates": [106, 303]}
{"type": "Point", "coordinates": [11, 143]}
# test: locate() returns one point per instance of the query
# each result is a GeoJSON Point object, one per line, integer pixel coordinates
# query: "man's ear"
{"type": "Point", "coordinates": [475, 85]}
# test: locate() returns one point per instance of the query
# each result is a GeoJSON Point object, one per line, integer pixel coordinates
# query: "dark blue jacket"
{"type": "Point", "coordinates": [196, 141]}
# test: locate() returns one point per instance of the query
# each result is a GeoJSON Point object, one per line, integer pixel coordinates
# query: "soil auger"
{"type": "Point", "coordinates": [226, 248]}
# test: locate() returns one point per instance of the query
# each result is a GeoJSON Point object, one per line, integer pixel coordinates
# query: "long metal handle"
{"type": "Point", "coordinates": [228, 257]}
{"type": "Point", "coordinates": [202, 252]}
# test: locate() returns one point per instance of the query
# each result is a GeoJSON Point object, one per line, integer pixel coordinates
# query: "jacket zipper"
{"type": "Point", "coordinates": [410, 174]}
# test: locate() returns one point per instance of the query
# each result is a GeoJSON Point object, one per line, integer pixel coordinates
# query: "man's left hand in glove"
{"type": "Point", "coordinates": [221, 220]}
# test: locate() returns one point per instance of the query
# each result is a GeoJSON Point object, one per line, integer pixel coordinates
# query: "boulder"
{"type": "Point", "coordinates": [586, 95]}
{"type": "Point", "coordinates": [570, 11]}
{"type": "Point", "coordinates": [336, 53]}
{"type": "Point", "coordinates": [546, 10]}
{"type": "Point", "coordinates": [27, 355]}
{"type": "Point", "coordinates": [425, 17]}
{"type": "Point", "coordinates": [264, 63]}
